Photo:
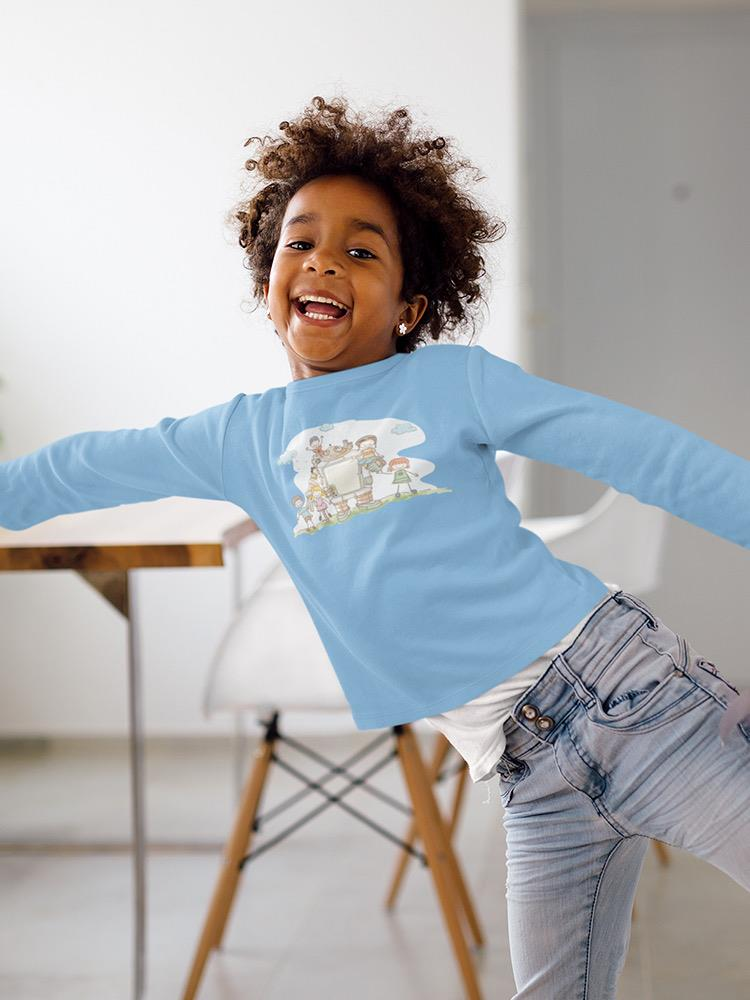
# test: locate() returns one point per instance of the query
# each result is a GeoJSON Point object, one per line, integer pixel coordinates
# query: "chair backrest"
{"type": "Point", "coordinates": [618, 538]}
{"type": "Point", "coordinates": [272, 655]}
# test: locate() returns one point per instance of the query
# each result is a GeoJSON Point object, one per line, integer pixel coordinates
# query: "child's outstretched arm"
{"type": "Point", "coordinates": [93, 469]}
{"type": "Point", "coordinates": [654, 460]}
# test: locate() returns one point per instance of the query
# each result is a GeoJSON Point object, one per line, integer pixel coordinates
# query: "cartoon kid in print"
{"type": "Point", "coordinates": [318, 502]}
{"type": "Point", "coordinates": [340, 480]}
{"type": "Point", "coordinates": [370, 459]}
{"type": "Point", "coordinates": [401, 475]}
{"type": "Point", "coordinates": [304, 507]}
{"type": "Point", "coordinates": [316, 447]}
{"type": "Point", "coordinates": [332, 451]}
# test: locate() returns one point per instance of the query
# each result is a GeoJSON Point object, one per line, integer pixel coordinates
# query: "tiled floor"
{"type": "Point", "coordinates": [309, 919]}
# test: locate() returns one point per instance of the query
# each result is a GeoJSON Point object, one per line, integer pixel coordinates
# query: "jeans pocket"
{"type": "Point", "coordinates": [511, 770]}
{"type": "Point", "coordinates": [645, 684]}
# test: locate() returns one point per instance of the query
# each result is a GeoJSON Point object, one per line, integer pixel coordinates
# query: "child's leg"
{"type": "Point", "coordinates": [652, 730]}
{"type": "Point", "coordinates": [571, 881]}
{"type": "Point", "coordinates": [618, 741]}
{"type": "Point", "coordinates": [693, 791]}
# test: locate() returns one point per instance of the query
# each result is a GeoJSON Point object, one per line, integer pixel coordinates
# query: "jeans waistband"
{"type": "Point", "coordinates": [542, 709]}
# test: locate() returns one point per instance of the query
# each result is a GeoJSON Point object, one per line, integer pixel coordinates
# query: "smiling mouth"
{"type": "Point", "coordinates": [316, 319]}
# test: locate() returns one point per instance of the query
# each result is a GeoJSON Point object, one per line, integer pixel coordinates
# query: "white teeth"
{"type": "Point", "coordinates": [319, 298]}
{"type": "Point", "coordinates": [319, 315]}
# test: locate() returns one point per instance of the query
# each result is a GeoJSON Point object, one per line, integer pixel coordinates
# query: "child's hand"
{"type": "Point", "coordinates": [738, 710]}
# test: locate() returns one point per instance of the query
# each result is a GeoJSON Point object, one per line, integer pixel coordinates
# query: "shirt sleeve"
{"type": "Point", "coordinates": [93, 469]}
{"type": "Point", "coordinates": [656, 461]}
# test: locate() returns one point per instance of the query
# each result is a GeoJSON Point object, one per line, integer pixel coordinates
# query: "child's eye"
{"type": "Point", "coordinates": [360, 249]}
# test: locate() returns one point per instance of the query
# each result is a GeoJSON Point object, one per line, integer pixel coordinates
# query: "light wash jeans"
{"type": "Point", "coordinates": [616, 743]}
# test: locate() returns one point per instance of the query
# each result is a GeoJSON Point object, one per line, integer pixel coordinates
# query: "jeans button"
{"type": "Point", "coordinates": [545, 722]}
{"type": "Point", "coordinates": [530, 712]}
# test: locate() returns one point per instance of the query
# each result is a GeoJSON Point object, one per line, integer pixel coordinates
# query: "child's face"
{"type": "Point", "coordinates": [360, 268]}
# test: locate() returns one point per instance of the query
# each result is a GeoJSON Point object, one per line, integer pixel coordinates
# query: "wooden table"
{"type": "Point", "coordinates": [102, 547]}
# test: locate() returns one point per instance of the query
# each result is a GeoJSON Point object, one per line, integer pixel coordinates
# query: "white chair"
{"type": "Point", "coordinates": [618, 538]}
{"type": "Point", "coordinates": [265, 669]}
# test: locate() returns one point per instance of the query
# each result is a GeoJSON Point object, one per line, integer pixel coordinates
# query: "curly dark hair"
{"type": "Point", "coordinates": [441, 230]}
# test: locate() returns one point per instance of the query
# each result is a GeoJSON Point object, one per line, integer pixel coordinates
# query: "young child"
{"type": "Point", "coordinates": [431, 600]}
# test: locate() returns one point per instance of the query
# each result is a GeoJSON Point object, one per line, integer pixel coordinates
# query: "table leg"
{"type": "Point", "coordinates": [119, 588]}
{"type": "Point", "coordinates": [135, 725]}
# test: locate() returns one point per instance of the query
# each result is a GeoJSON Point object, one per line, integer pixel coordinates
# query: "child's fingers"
{"type": "Point", "coordinates": [738, 710]}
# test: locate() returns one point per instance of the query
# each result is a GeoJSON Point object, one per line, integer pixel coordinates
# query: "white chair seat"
{"type": "Point", "coordinates": [271, 657]}
{"type": "Point", "coordinates": [271, 654]}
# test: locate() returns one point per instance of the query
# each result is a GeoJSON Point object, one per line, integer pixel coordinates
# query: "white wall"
{"type": "Point", "coordinates": [122, 292]}
{"type": "Point", "coordinates": [638, 159]}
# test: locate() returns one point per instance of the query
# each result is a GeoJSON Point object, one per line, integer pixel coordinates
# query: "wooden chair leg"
{"type": "Point", "coordinates": [226, 885]}
{"type": "Point", "coordinates": [442, 746]}
{"type": "Point", "coordinates": [443, 864]}
{"type": "Point", "coordinates": [458, 798]}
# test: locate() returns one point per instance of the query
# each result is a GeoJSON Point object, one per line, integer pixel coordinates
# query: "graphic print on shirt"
{"type": "Point", "coordinates": [353, 467]}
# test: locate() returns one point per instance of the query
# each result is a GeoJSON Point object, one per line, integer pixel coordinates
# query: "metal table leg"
{"type": "Point", "coordinates": [120, 590]}
{"type": "Point", "coordinates": [135, 724]}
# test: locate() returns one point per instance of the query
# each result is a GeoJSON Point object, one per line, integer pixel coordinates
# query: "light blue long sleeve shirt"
{"type": "Point", "coordinates": [378, 489]}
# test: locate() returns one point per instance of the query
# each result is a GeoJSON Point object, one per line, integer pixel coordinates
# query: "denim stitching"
{"type": "Point", "coordinates": [591, 916]}
{"type": "Point", "coordinates": [745, 731]}
{"type": "Point", "coordinates": [595, 802]}
{"type": "Point", "coordinates": [626, 695]}
{"type": "Point", "coordinates": [609, 724]}
{"type": "Point", "coordinates": [572, 679]}
{"type": "Point", "coordinates": [665, 652]}
{"type": "Point", "coordinates": [709, 692]}
{"type": "Point", "coordinates": [626, 642]}
{"type": "Point", "coordinates": [607, 816]}
{"type": "Point", "coordinates": [714, 674]}
{"type": "Point", "coordinates": [630, 599]}
{"type": "Point", "coordinates": [587, 762]}
{"type": "Point", "coordinates": [573, 708]}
